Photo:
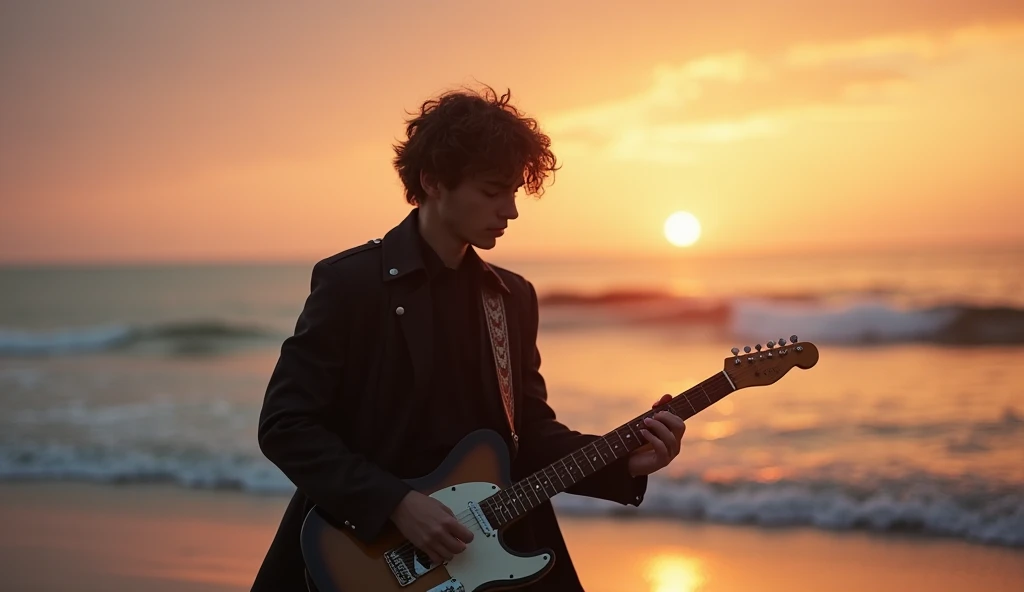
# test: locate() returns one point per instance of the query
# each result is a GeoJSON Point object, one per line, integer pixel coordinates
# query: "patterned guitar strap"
{"type": "Point", "coordinates": [494, 310]}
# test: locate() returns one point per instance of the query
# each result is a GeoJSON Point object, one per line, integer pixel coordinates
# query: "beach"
{"type": "Point", "coordinates": [93, 537]}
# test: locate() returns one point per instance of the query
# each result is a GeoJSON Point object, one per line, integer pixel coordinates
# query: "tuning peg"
{"type": "Point", "coordinates": [758, 347]}
{"type": "Point", "coordinates": [782, 341]}
{"type": "Point", "coordinates": [771, 344]}
{"type": "Point", "coordinates": [746, 349]}
{"type": "Point", "coordinates": [735, 351]}
{"type": "Point", "coordinates": [792, 338]}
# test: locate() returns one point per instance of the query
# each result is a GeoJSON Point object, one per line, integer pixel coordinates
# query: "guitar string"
{"type": "Point", "coordinates": [407, 551]}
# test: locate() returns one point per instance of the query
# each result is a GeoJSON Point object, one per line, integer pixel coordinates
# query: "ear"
{"type": "Point", "coordinates": [430, 184]}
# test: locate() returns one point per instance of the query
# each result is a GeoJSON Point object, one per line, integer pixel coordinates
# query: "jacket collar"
{"type": "Point", "coordinates": [402, 255]}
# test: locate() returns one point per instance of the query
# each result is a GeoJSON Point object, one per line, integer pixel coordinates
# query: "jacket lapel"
{"type": "Point", "coordinates": [403, 272]}
{"type": "Point", "coordinates": [417, 322]}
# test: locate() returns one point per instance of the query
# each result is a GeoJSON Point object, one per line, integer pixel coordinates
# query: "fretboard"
{"type": "Point", "coordinates": [514, 501]}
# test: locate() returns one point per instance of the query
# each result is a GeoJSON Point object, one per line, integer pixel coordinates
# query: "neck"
{"type": "Point", "coordinates": [511, 503]}
{"type": "Point", "coordinates": [449, 248]}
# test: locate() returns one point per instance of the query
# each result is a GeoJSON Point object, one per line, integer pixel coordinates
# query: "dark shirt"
{"type": "Point", "coordinates": [459, 402]}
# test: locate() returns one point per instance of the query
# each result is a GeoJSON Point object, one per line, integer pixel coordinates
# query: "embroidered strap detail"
{"type": "Point", "coordinates": [494, 310]}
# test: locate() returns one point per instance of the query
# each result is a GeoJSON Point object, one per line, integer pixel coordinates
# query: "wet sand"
{"type": "Point", "coordinates": [59, 536]}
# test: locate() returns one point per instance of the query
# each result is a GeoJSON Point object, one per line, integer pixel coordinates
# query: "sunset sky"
{"type": "Point", "coordinates": [212, 131]}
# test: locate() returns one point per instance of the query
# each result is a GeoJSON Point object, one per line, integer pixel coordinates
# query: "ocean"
{"type": "Point", "coordinates": [911, 422]}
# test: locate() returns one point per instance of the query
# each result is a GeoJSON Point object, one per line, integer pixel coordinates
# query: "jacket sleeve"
{"type": "Point", "coordinates": [543, 439]}
{"type": "Point", "coordinates": [304, 390]}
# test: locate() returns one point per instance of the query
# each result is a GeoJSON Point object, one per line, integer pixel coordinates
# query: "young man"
{"type": "Point", "coordinates": [391, 362]}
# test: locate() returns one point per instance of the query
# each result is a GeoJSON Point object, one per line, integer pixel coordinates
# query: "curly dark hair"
{"type": "Point", "coordinates": [466, 132]}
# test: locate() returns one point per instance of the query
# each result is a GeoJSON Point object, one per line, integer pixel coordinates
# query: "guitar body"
{"type": "Point", "coordinates": [475, 469]}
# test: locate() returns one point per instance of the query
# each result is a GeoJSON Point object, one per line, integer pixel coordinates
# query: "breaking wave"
{"type": "Point", "coordinates": [857, 323]}
{"type": "Point", "coordinates": [927, 504]}
{"type": "Point", "coordinates": [182, 338]}
{"type": "Point", "coordinates": [923, 507]}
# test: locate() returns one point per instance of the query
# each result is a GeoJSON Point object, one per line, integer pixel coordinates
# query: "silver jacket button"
{"type": "Point", "coordinates": [393, 271]}
{"type": "Point", "coordinates": [399, 311]}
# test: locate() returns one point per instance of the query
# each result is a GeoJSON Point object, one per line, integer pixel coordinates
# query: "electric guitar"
{"type": "Point", "coordinates": [473, 481]}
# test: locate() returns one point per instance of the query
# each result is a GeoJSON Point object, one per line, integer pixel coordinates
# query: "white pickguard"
{"type": "Point", "coordinates": [484, 559]}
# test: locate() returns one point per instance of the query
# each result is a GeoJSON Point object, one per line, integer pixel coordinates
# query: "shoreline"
{"type": "Point", "coordinates": [118, 537]}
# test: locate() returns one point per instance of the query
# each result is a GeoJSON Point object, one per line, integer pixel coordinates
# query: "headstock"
{"type": "Point", "coordinates": [762, 367]}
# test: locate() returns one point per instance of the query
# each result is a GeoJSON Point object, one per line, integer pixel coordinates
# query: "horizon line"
{"type": "Point", "coordinates": [538, 258]}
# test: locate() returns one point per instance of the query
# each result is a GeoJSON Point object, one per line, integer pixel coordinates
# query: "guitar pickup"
{"type": "Point", "coordinates": [485, 526]}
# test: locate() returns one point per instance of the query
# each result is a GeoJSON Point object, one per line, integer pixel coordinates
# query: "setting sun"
{"type": "Point", "coordinates": [672, 573]}
{"type": "Point", "coordinates": [682, 229]}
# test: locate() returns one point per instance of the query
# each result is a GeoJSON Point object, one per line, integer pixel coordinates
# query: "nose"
{"type": "Point", "coordinates": [508, 210]}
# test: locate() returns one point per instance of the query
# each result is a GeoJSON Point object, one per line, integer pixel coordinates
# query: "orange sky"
{"type": "Point", "coordinates": [194, 131]}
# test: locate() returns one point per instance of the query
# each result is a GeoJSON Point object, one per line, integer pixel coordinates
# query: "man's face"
{"type": "Point", "coordinates": [477, 211]}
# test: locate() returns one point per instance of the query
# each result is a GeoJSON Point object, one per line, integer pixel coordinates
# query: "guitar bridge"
{"type": "Point", "coordinates": [398, 568]}
{"type": "Point", "coordinates": [408, 563]}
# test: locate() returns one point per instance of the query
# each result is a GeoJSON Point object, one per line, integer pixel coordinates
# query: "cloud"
{"type": "Point", "coordinates": [738, 96]}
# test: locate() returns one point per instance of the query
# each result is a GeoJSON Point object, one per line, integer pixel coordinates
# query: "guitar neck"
{"type": "Point", "coordinates": [513, 502]}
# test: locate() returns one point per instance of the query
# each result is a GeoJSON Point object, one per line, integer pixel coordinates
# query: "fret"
{"type": "Point", "coordinates": [569, 473]}
{"type": "Point", "coordinates": [621, 441]}
{"type": "Point", "coordinates": [538, 490]}
{"type": "Point", "coordinates": [526, 491]}
{"type": "Point", "coordinates": [563, 474]}
{"type": "Point", "coordinates": [710, 402]}
{"type": "Point", "coordinates": [582, 467]}
{"type": "Point", "coordinates": [503, 510]}
{"type": "Point", "coordinates": [521, 499]}
{"type": "Point", "coordinates": [576, 463]}
{"type": "Point", "coordinates": [608, 452]}
{"type": "Point", "coordinates": [631, 436]}
{"type": "Point", "coordinates": [517, 498]}
{"type": "Point", "coordinates": [593, 469]}
{"type": "Point", "coordinates": [555, 471]}
{"type": "Point", "coordinates": [574, 467]}
{"type": "Point", "coordinates": [500, 509]}
{"type": "Point", "coordinates": [542, 478]}
{"type": "Point", "coordinates": [535, 489]}
{"type": "Point", "coordinates": [638, 426]}
{"type": "Point", "coordinates": [506, 513]}
{"type": "Point", "coordinates": [568, 470]}
{"type": "Point", "coordinates": [510, 505]}
{"type": "Point", "coordinates": [550, 488]}
{"type": "Point", "coordinates": [556, 484]}
{"type": "Point", "coordinates": [689, 402]}
{"type": "Point", "coordinates": [488, 508]}
{"type": "Point", "coordinates": [597, 455]}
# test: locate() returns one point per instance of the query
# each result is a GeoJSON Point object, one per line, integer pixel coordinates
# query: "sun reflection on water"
{"type": "Point", "coordinates": [674, 573]}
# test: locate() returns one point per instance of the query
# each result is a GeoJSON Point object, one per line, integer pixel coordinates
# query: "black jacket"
{"type": "Point", "coordinates": [336, 408]}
